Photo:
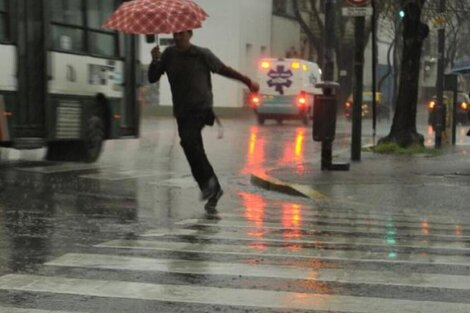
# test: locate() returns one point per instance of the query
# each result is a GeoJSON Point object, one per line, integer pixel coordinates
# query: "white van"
{"type": "Point", "coordinates": [286, 91]}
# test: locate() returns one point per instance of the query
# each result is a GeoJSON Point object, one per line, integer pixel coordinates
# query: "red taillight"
{"type": "Point", "coordinates": [255, 100]}
{"type": "Point", "coordinates": [301, 100]}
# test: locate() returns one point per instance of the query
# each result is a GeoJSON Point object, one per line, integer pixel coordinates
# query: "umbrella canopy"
{"type": "Point", "coordinates": [156, 17]}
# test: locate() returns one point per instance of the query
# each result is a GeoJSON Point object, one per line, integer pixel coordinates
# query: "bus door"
{"type": "Point", "coordinates": [32, 71]}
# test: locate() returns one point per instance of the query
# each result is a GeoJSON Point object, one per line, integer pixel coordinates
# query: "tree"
{"type": "Point", "coordinates": [403, 130]}
{"type": "Point", "coordinates": [314, 27]}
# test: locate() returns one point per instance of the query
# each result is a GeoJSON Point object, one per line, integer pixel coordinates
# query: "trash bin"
{"type": "Point", "coordinates": [324, 117]}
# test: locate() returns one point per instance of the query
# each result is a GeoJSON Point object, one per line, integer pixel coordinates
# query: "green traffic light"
{"type": "Point", "coordinates": [401, 13]}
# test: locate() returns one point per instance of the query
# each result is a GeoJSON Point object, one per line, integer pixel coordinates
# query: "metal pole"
{"type": "Point", "coordinates": [359, 23]}
{"type": "Point", "coordinates": [330, 38]}
{"type": "Point", "coordinates": [329, 67]}
{"type": "Point", "coordinates": [374, 71]}
{"type": "Point", "coordinates": [440, 111]}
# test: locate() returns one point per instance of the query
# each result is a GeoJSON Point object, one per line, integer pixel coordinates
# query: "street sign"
{"type": "Point", "coordinates": [357, 11]}
{"type": "Point", "coordinates": [357, 3]}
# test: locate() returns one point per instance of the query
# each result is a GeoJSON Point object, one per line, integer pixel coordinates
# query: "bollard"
{"type": "Point", "coordinates": [324, 125]}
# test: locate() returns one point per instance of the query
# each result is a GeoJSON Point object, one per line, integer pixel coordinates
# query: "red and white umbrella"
{"type": "Point", "coordinates": [150, 17]}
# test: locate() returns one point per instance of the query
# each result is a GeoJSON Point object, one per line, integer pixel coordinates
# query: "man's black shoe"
{"type": "Point", "coordinates": [210, 189]}
{"type": "Point", "coordinates": [211, 204]}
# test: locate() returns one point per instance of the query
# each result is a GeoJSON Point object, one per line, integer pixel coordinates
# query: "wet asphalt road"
{"type": "Point", "coordinates": [128, 234]}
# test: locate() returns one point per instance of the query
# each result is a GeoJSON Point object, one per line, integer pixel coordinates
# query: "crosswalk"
{"type": "Point", "coordinates": [278, 258]}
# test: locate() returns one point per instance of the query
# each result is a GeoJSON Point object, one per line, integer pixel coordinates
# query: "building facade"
{"type": "Point", "coordinates": [238, 32]}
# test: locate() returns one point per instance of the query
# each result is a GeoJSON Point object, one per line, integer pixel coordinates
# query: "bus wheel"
{"type": "Point", "coordinates": [90, 148]}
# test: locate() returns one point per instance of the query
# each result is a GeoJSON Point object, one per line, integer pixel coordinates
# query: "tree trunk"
{"type": "Point", "coordinates": [403, 131]}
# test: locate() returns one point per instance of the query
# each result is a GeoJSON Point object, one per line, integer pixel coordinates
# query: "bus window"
{"type": "Point", "coordinates": [4, 36]}
{"type": "Point", "coordinates": [101, 42]}
{"type": "Point", "coordinates": [98, 11]}
{"type": "Point", "coordinates": [67, 26]}
{"type": "Point", "coordinates": [68, 12]}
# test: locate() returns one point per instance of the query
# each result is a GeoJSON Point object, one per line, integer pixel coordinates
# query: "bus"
{"type": "Point", "coordinates": [66, 83]}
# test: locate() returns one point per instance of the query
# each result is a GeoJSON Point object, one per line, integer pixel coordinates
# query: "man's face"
{"type": "Point", "coordinates": [182, 39]}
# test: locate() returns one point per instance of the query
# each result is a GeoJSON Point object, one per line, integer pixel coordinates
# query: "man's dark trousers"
{"type": "Point", "coordinates": [190, 131]}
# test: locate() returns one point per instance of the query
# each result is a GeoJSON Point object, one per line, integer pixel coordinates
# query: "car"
{"type": "Point", "coordinates": [383, 111]}
{"type": "Point", "coordinates": [463, 108]}
{"type": "Point", "coordinates": [287, 90]}
{"type": "Point", "coordinates": [281, 108]}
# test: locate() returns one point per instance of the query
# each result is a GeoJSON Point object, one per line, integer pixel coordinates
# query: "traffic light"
{"type": "Point", "coordinates": [401, 13]}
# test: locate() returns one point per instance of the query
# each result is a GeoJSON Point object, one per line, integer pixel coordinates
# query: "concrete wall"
{"type": "Point", "coordinates": [236, 31]}
{"type": "Point", "coordinates": [285, 34]}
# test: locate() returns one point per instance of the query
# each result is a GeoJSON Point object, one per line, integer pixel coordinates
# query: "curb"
{"type": "Point", "coordinates": [263, 180]}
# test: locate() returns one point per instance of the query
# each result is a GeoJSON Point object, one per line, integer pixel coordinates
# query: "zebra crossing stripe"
{"type": "Point", "coordinates": [387, 278]}
{"type": "Point", "coordinates": [308, 219]}
{"type": "Point", "coordinates": [222, 296]}
{"type": "Point", "coordinates": [62, 168]}
{"type": "Point", "coordinates": [5, 309]}
{"type": "Point", "coordinates": [347, 229]}
{"type": "Point", "coordinates": [293, 251]}
{"type": "Point", "coordinates": [360, 241]}
{"type": "Point", "coordinates": [357, 214]}
{"type": "Point", "coordinates": [123, 175]}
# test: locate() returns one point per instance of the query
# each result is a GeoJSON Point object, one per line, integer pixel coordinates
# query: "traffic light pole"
{"type": "Point", "coordinates": [440, 110]}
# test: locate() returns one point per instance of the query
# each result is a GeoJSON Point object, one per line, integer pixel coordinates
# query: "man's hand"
{"type": "Point", "coordinates": [254, 87]}
{"type": "Point", "coordinates": [156, 54]}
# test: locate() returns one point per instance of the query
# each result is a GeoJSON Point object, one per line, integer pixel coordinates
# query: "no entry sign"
{"type": "Point", "coordinates": [357, 3]}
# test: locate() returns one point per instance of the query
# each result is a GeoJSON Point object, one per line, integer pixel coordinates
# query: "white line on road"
{"type": "Point", "coordinates": [4, 309]}
{"type": "Point", "coordinates": [382, 230]}
{"type": "Point", "coordinates": [222, 296]}
{"type": "Point", "coordinates": [62, 168]}
{"type": "Point", "coordinates": [258, 249]}
{"type": "Point", "coordinates": [124, 175]}
{"type": "Point", "coordinates": [308, 217]}
{"type": "Point", "coordinates": [289, 237]}
{"type": "Point", "coordinates": [386, 278]}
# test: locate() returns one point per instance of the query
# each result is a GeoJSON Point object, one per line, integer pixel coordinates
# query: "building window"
{"type": "Point", "coordinates": [76, 27]}
{"type": "Point", "coordinates": [4, 21]}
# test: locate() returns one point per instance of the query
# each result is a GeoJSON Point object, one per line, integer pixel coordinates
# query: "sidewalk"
{"type": "Point", "coordinates": [424, 184]}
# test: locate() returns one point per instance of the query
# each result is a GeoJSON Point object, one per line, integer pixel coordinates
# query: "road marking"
{"type": "Point", "coordinates": [62, 168]}
{"type": "Point", "coordinates": [304, 219]}
{"type": "Point", "coordinates": [222, 296]}
{"type": "Point", "coordinates": [348, 229]}
{"type": "Point", "coordinates": [259, 249]}
{"type": "Point", "coordinates": [124, 175]}
{"type": "Point", "coordinates": [312, 211]}
{"type": "Point", "coordinates": [387, 278]}
{"type": "Point", "coordinates": [180, 182]}
{"type": "Point", "coordinates": [5, 309]}
{"type": "Point", "coordinates": [286, 237]}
